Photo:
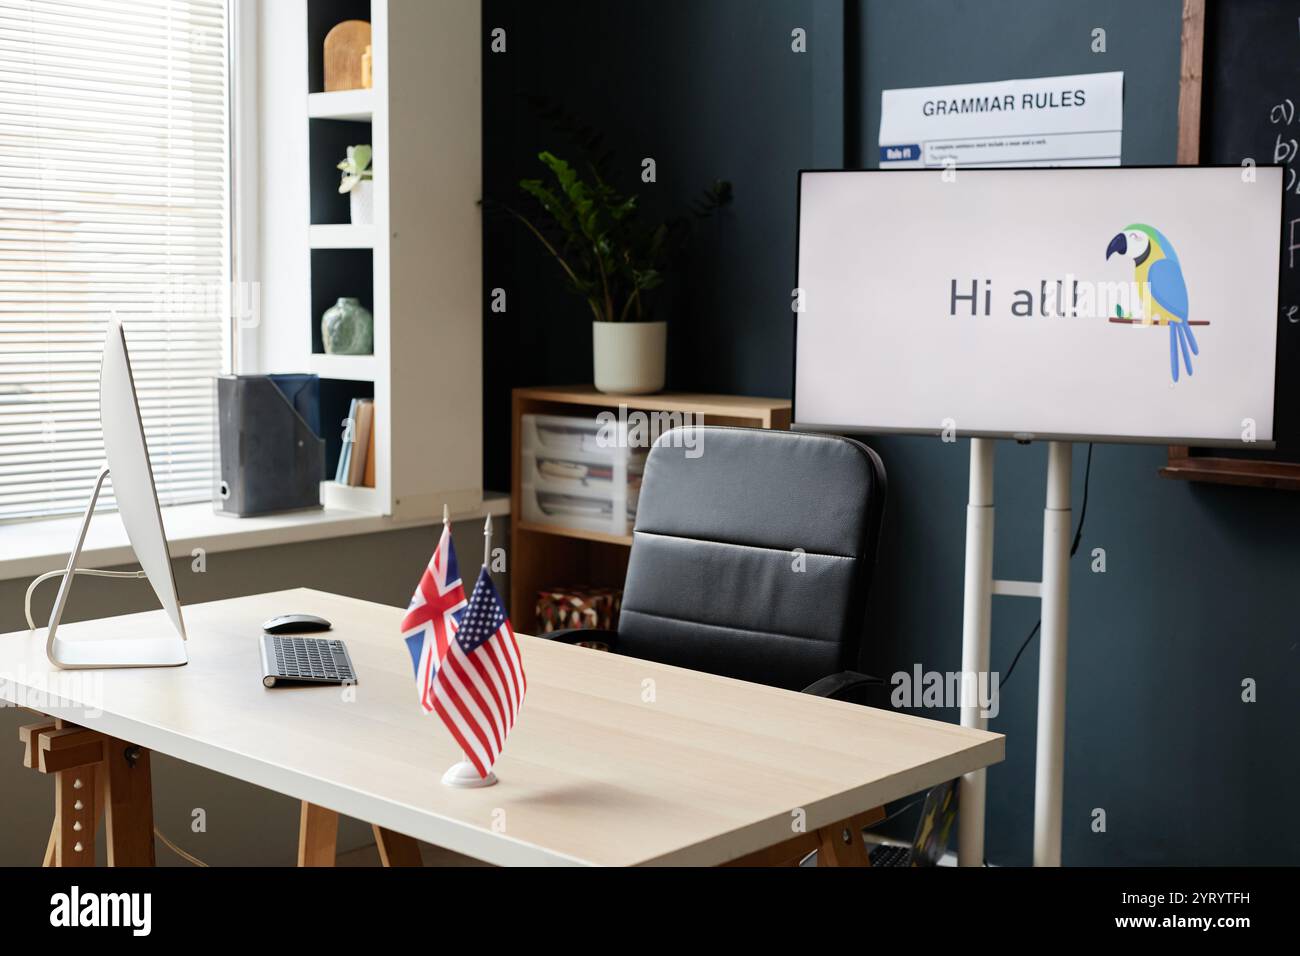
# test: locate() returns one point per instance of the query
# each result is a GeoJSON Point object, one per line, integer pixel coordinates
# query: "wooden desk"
{"type": "Point", "coordinates": [613, 761]}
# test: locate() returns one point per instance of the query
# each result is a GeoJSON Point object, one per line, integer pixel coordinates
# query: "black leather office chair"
{"type": "Point", "coordinates": [752, 557]}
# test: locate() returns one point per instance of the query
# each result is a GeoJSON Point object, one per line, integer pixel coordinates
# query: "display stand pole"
{"type": "Point", "coordinates": [977, 608]}
{"type": "Point", "coordinates": [1049, 767]}
{"type": "Point", "coordinates": [1054, 593]}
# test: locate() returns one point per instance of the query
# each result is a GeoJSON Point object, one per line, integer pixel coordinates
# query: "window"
{"type": "Point", "coordinates": [114, 198]}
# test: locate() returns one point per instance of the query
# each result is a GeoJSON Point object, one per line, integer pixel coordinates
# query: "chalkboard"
{"type": "Point", "coordinates": [1250, 113]}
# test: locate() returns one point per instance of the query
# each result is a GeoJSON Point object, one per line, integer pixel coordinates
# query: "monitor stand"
{"type": "Point", "coordinates": [1054, 593]}
{"type": "Point", "coordinates": [110, 651]}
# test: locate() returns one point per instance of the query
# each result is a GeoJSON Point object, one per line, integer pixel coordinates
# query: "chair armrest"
{"type": "Point", "coordinates": [575, 635]}
{"type": "Point", "coordinates": [835, 686]}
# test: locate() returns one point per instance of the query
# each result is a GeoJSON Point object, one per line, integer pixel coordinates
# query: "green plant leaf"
{"type": "Point", "coordinates": [593, 232]}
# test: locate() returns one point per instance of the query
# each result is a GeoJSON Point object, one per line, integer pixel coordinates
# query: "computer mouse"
{"type": "Point", "coordinates": [296, 624]}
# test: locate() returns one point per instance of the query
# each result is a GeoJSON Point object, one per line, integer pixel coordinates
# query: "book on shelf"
{"type": "Point", "coordinates": [341, 472]}
{"type": "Point", "coordinates": [356, 459]}
{"type": "Point", "coordinates": [360, 440]}
{"type": "Point", "coordinates": [368, 478]}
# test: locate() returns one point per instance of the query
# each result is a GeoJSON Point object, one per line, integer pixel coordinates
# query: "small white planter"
{"type": "Point", "coordinates": [362, 198]}
{"type": "Point", "coordinates": [629, 356]}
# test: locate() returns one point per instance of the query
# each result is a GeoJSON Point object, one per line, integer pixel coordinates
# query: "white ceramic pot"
{"type": "Point", "coordinates": [362, 197]}
{"type": "Point", "coordinates": [629, 356]}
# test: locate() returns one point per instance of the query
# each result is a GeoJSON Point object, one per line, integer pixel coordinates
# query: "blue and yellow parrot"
{"type": "Point", "coordinates": [1158, 269]}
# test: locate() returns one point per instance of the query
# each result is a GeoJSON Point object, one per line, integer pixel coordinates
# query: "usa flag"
{"type": "Point", "coordinates": [480, 686]}
{"type": "Point", "coordinates": [433, 616]}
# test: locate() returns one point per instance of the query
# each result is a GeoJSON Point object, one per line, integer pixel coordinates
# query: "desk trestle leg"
{"type": "Point", "coordinates": [93, 774]}
{"type": "Point", "coordinates": [318, 834]}
{"type": "Point", "coordinates": [839, 844]}
{"type": "Point", "coordinates": [318, 831]}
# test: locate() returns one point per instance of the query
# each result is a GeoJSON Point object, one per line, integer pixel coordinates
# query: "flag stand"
{"type": "Point", "coordinates": [463, 775]}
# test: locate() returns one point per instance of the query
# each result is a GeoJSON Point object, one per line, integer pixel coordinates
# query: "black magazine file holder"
{"type": "Point", "coordinates": [272, 458]}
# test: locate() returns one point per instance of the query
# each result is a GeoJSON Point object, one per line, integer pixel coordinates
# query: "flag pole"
{"type": "Point", "coordinates": [462, 775]}
{"type": "Point", "coordinates": [446, 514]}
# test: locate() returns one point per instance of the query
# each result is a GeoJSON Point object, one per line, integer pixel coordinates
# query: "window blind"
{"type": "Point", "coordinates": [114, 199]}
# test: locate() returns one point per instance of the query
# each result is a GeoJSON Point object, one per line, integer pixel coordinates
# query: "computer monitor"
{"type": "Point", "coordinates": [1128, 304]}
{"type": "Point", "coordinates": [137, 502]}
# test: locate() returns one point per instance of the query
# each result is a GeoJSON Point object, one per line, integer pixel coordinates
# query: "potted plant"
{"type": "Point", "coordinates": [358, 182]}
{"type": "Point", "coordinates": [614, 262]}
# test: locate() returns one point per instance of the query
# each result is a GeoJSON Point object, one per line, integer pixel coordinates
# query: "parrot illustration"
{"type": "Point", "coordinates": [1158, 269]}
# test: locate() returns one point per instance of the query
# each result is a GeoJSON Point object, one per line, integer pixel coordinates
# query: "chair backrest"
{"type": "Point", "coordinates": [752, 553]}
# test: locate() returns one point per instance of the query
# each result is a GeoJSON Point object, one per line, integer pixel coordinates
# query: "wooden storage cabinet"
{"type": "Point", "coordinates": [547, 555]}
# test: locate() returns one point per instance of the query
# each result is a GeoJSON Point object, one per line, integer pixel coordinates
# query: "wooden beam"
{"type": "Point", "coordinates": [396, 849]}
{"type": "Point", "coordinates": [831, 844]}
{"type": "Point", "coordinates": [318, 834]}
{"type": "Point", "coordinates": [840, 846]}
{"type": "Point", "coordinates": [1191, 83]}
{"type": "Point", "coordinates": [30, 735]}
{"type": "Point", "coordinates": [843, 845]}
{"type": "Point", "coordinates": [76, 816]}
{"type": "Point", "coordinates": [786, 853]}
{"type": "Point", "coordinates": [51, 848]}
{"type": "Point", "coordinates": [88, 754]}
{"type": "Point", "coordinates": [128, 804]}
{"type": "Point", "coordinates": [63, 748]}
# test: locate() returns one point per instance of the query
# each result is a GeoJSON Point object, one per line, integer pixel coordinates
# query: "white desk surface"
{"type": "Point", "coordinates": [595, 771]}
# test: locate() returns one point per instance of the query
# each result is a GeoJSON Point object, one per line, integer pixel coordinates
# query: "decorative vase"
{"type": "Point", "coordinates": [348, 328]}
{"type": "Point", "coordinates": [362, 199]}
{"type": "Point", "coordinates": [629, 356]}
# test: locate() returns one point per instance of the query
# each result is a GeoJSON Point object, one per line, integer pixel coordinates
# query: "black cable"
{"type": "Point", "coordinates": [903, 809]}
{"type": "Point", "coordinates": [1074, 547]}
{"type": "Point", "coordinates": [1002, 682]}
{"type": "Point", "coordinates": [1083, 508]}
{"type": "Point", "coordinates": [1078, 536]}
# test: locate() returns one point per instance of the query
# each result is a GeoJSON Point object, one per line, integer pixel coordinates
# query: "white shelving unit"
{"type": "Point", "coordinates": [417, 268]}
{"type": "Point", "coordinates": [340, 236]}
{"type": "Point", "coordinates": [353, 105]}
{"type": "Point", "coordinates": [353, 368]}
{"type": "Point", "coordinates": [351, 498]}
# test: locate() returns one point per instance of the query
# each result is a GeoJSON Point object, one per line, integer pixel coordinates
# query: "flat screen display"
{"type": "Point", "coordinates": [1117, 304]}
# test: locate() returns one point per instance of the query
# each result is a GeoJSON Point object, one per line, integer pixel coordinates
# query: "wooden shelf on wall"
{"type": "Point", "coordinates": [545, 556]}
{"type": "Point", "coordinates": [1280, 475]}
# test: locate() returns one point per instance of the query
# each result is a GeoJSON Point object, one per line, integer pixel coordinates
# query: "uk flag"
{"type": "Point", "coordinates": [433, 616]}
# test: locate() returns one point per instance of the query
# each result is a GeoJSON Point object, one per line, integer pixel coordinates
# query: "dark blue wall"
{"type": "Point", "coordinates": [1196, 596]}
{"type": "Point", "coordinates": [709, 90]}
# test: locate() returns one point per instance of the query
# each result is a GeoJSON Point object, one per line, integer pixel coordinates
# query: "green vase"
{"type": "Point", "coordinates": [348, 328]}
